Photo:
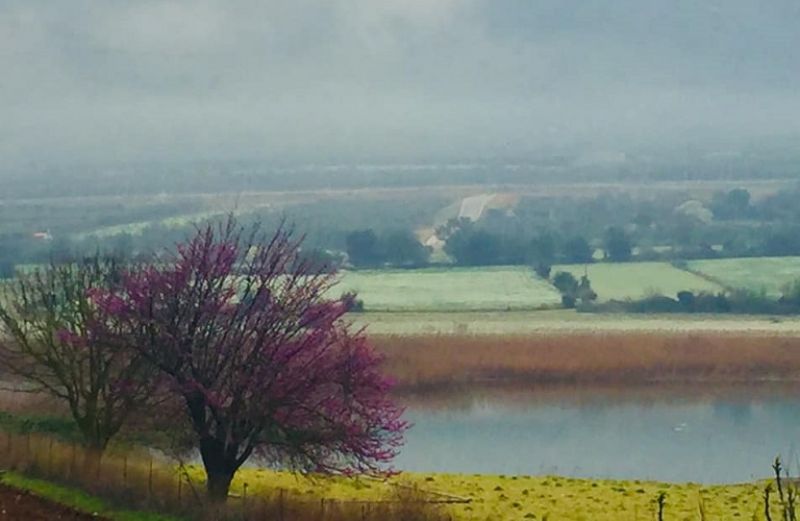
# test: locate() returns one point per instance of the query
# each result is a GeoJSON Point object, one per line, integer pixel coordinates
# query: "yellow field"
{"type": "Point", "coordinates": [499, 498]}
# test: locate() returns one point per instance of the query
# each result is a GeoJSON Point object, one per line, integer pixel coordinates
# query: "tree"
{"type": "Point", "coordinates": [56, 339]}
{"type": "Point", "coordinates": [402, 248]}
{"type": "Point", "coordinates": [734, 204]}
{"type": "Point", "coordinates": [471, 246]}
{"type": "Point", "coordinates": [542, 254]}
{"type": "Point", "coordinates": [567, 285]}
{"type": "Point", "coordinates": [363, 248]}
{"type": "Point", "coordinates": [260, 356]}
{"type": "Point", "coordinates": [577, 251]}
{"type": "Point", "coordinates": [584, 290]}
{"type": "Point", "coordinates": [618, 245]}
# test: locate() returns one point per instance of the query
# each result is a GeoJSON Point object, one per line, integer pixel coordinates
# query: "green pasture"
{"type": "Point", "coordinates": [450, 289]}
{"type": "Point", "coordinates": [768, 274]}
{"type": "Point", "coordinates": [632, 280]}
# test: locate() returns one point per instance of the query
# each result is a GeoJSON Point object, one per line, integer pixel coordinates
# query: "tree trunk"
{"type": "Point", "coordinates": [218, 485]}
{"type": "Point", "coordinates": [92, 458]}
{"type": "Point", "coordinates": [219, 471]}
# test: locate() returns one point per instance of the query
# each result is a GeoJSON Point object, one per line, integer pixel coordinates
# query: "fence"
{"type": "Point", "coordinates": [143, 480]}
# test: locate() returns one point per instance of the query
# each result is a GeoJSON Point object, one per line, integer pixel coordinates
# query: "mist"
{"type": "Point", "coordinates": [391, 80]}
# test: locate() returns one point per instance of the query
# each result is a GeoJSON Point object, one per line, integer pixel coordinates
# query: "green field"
{"type": "Point", "coordinates": [632, 280]}
{"type": "Point", "coordinates": [450, 289]}
{"type": "Point", "coordinates": [769, 274]}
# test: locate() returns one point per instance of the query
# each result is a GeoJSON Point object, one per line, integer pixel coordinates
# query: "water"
{"type": "Point", "coordinates": [727, 436]}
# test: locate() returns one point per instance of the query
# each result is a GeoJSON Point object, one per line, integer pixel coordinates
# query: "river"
{"type": "Point", "coordinates": [717, 435]}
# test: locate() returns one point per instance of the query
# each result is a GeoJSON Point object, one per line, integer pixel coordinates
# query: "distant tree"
{"type": "Point", "coordinates": [61, 250]}
{"type": "Point", "coordinates": [363, 248]}
{"type": "Point", "coordinates": [470, 246]}
{"type": "Point", "coordinates": [542, 253]}
{"type": "Point", "coordinates": [781, 243]}
{"type": "Point", "coordinates": [567, 285]}
{"type": "Point", "coordinates": [543, 270]}
{"type": "Point", "coordinates": [321, 260]}
{"type": "Point", "coordinates": [55, 338]}
{"type": "Point", "coordinates": [584, 290]}
{"type": "Point", "coordinates": [687, 300]}
{"type": "Point", "coordinates": [122, 246]}
{"type": "Point", "coordinates": [565, 282]}
{"type": "Point", "coordinates": [618, 246]}
{"type": "Point", "coordinates": [402, 248]}
{"type": "Point", "coordinates": [577, 251]}
{"type": "Point", "coordinates": [260, 356]}
{"type": "Point", "coordinates": [734, 204]}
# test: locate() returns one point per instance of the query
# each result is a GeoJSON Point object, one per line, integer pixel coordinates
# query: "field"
{"type": "Point", "coordinates": [623, 358]}
{"type": "Point", "coordinates": [507, 498]}
{"type": "Point", "coordinates": [450, 289]}
{"type": "Point", "coordinates": [638, 279]}
{"type": "Point", "coordinates": [565, 321]}
{"type": "Point", "coordinates": [769, 274]}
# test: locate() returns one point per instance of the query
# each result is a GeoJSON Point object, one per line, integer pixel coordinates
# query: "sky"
{"type": "Point", "coordinates": [390, 80]}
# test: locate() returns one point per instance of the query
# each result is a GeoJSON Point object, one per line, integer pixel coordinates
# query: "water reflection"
{"type": "Point", "coordinates": [718, 435]}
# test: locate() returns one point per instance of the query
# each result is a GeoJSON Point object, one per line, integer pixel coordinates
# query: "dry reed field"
{"type": "Point", "coordinates": [619, 358]}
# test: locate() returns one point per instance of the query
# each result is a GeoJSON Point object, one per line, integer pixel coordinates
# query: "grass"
{"type": "Point", "coordinates": [632, 280]}
{"type": "Point", "coordinates": [77, 499]}
{"type": "Point", "coordinates": [767, 274]}
{"type": "Point", "coordinates": [500, 498]}
{"type": "Point", "coordinates": [450, 289]}
{"type": "Point", "coordinates": [620, 358]}
{"type": "Point", "coordinates": [564, 321]}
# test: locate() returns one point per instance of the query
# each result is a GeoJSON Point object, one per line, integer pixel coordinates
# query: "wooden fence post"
{"type": "Point", "coordinates": [72, 462]}
{"type": "Point", "coordinates": [150, 480]}
{"type": "Point", "coordinates": [50, 458]}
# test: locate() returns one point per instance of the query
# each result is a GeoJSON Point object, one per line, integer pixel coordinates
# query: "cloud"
{"type": "Point", "coordinates": [354, 79]}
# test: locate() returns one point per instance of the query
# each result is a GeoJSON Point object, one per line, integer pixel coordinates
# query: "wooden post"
{"type": "Point", "coordinates": [150, 480]}
{"type": "Point", "coordinates": [72, 462]}
{"type": "Point", "coordinates": [125, 470]}
{"type": "Point", "coordinates": [280, 505]}
{"type": "Point", "coordinates": [180, 482]}
{"type": "Point", "coordinates": [50, 458]}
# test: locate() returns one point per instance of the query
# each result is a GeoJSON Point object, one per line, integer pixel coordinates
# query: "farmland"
{"type": "Point", "coordinates": [619, 281]}
{"type": "Point", "coordinates": [565, 321]}
{"type": "Point", "coordinates": [509, 288]}
{"type": "Point", "coordinates": [456, 289]}
{"type": "Point", "coordinates": [768, 274]}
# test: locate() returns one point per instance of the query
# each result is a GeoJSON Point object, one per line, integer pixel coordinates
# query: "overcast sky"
{"type": "Point", "coordinates": [323, 80]}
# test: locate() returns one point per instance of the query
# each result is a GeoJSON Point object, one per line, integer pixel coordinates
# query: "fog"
{"type": "Point", "coordinates": [391, 80]}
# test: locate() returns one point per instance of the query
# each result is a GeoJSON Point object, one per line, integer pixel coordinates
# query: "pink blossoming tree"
{"type": "Point", "coordinates": [249, 337]}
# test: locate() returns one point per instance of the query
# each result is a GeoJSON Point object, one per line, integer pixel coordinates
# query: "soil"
{"type": "Point", "coordinates": [21, 505]}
